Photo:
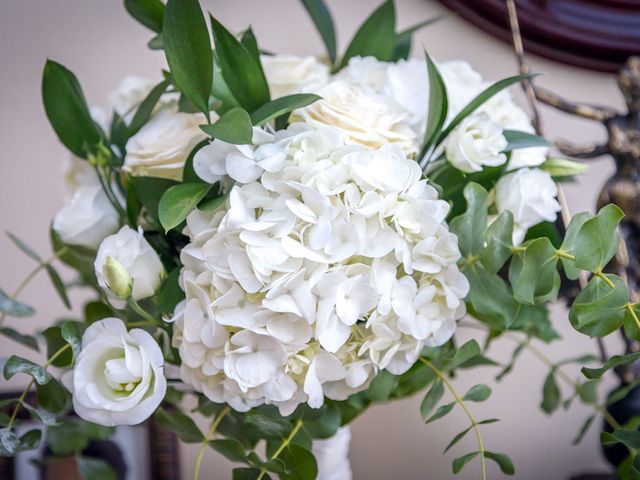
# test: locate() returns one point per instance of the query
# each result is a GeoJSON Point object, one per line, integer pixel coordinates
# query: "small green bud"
{"type": "Point", "coordinates": [118, 278]}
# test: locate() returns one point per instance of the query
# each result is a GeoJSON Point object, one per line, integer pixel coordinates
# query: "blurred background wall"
{"type": "Point", "coordinates": [99, 42]}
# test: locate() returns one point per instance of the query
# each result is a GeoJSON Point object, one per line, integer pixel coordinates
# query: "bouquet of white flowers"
{"type": "Point", "coordinates": [291, 239]}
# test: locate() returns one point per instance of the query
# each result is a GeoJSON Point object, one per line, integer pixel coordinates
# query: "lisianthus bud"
{"type": "Point", "coordinates": [118, 279]}
{"type": "Point", "coordinates": [128, 266]}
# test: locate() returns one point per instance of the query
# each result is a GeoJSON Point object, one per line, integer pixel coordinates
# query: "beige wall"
{"type": "Point", "coordinates": [97, 40]}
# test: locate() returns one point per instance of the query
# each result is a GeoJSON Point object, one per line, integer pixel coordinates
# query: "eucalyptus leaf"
{"type": "Point", "coordinates": [597, 240]}
{"type": "Point", "coordinates": [188, 50]}
{"type": "Point", "coordinates": [300, 463]}
{"type": "Point", "coordinates": [456, 439]}
{"type": "Point", "coordinates": [52, 396]}
{"type": "Point", "coordinates": [321, 17]}
{"type": "Point", "coordinates": [441, 412]}
{"type": "Point", "coordinates": [632, 322]}
{"type": "Point", "coordinates": [472, 221]}
{"type": "Point", "coordinates": [430, 400]}
{"type": "Point", "coordinates": [376, 36]}
{"type": "Point", "coordinates": [532, 273]}
{"type": "Point", "coordinates": [282, 106]}
{"type": "Point", "coordinates": [148, 12]}
{"type": "Point", "coordinates": [583, 430]}
{"type": "Point", "coordinates": [55, 341]}
{"type": "Point", "coordinates": [67, 110]}
{"type": "Point", "coordinates": [550, 394]}
{"type": "Point", "coordinates": [614, 361]}
{"type": "Point", "coordinates": [382, 386]}
{"type": "Point", "coordinates": [247, 474]}
{"type": "Point", "coordinates": [458, 463]}
{"type": "Point", "coordinates": [477, 393]}
{"type": "Point", "coordinates": [230, 448]}
{"type": "Point", "coordinates": [233, 127]}
{"type": "Point", "coordinates": [517, 139]}
{"type": "Point", "coordinates": [178, 201]}
{"type": "Point", "coordinates": [71, 334]}
{"type": "Point", "coordinates": [179, 423]}
{"type": "Point", "coordinates": [498, 242]}
{"type": "Point", "coordinates": [58, 285]}
{"type": "Point", "coordinates": [26, 340]}
{"type": "Point", "coordinates": [26, 249]}
{"type": "Point", "coordinates": [243, 75]}
{"type": "Point", "coordinates": [463, 354]}
{"type": "Point", "coordinates": [490, 298]}
{"type": "Point", "coordinates": [14, 308]}
{"type": "Point", "coordinates": [15, 364]}
{"type": "Point", "coordinates": [95, 469]}
{"type": "Point", "coordinates": [568, 244]}
{"type": "Point", "coordinates": [503, 461]}
{"type": "Point", "coordinates": [599, 309]}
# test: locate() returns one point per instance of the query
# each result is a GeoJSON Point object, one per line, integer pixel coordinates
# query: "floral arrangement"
{"type": "Point", "coordinates": [287, 240]}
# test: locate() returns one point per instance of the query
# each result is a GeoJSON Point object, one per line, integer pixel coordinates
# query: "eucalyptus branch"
{"type": "Point", "coordinates": [285, 443]}
{"type": "Point", "coordinates": [31, 275]}
{"type": "Point", "coordinates": [24, 393]}
{"type": "Point", "coordinates": [207, 438]}
{"type": "Point", "coordinates": [461, 402]}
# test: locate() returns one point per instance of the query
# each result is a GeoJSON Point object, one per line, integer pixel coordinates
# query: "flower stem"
{"type": "Point", "coordinates": [285, 443]}
{"type": "Point", "coordinates": [470, 416]}
{"type": "Point", "coordinates": [32, 274]}
{"type": "Point", "coordinates": [207, 438]}
{"type": "Point", "coordinates": [135, 306]}
{"type": "Point", "coordinates": [23, 395]}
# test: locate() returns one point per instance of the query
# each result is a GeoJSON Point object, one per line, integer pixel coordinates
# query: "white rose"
{"type": "Point", "coordinates": [364, 119]}
{"type": "Point", "coordinates": [118, 377]}
{"type": "Point", "coordinates": [288, 74]}
{"type": "Point", "coordinates": [476, 142]}
{"type": "Point", "coordinates": [530, 194]}
{"type": "Point", "coordinates": [87, 218]}
{"type": "Point", "coordinates": [131, 251]}
{"type": "Point", "coordinates": [162, 146]}
{"type": "Point", "coordinates": [130, 93]}
{"type": "Point", "coordinates": [368, 73]}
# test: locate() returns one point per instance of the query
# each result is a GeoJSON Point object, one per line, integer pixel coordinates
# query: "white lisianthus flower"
{"type": "Point", "coordinates": [87, 218]}
{"type": "Point", "coordinates": [475, 143]}
{"type": "Point", "coordinates": [161, 147]}
{"type": "Point", "coordinates": [332, 455]}
{"type": "Point", "coordinates": [131, 252]}
{"type": "Point", "coordinates": [530, 194]}
{"type": "Point", "coordinates": [365, 119]}
{"type": "Point", "coordinates": [288, 74]}
{"type": "Point", "coordinates": [291, 287]}
{"type": "Point", "coordinates": [118, 377]}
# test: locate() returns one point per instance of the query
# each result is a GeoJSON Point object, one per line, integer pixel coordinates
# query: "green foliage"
{"type": "Point", "coordinates": [614, 361]}
{"type": "Point", "coordinates": [14, 308]}
{"type": "Point", "coordinates": [11, 444]}
{"type": "Point", "coordinates": [382, 386]}
{"type": "Point", "coordinates": [67, 110]}
{"type": "Point", "coordinates": [25, 340]}
{"type": "Point", "coordinates": [402, 48]}
{"type": "Point", "coordinates": [15, 364]}
{"type": "Point", "coordinates": [323, 22]}
{"type": "Point", "coordinates": [148, 12]}
{"type": "Point", "coordinates": [300, 463]}
{"type": "Point", "coordinates": [583, 429]}
{"type": "Point", "coordinates": [503, 461]}
{"type": "Point", "coordinates": [376, 36]}
{"type": "Point", "coordinates": [533, 271]}
{"type": "Point", "coordinates": [568, 244]}
{"type": "Point", "coordinates": [431, 399]}
{"type": "Point", "coordinates": [472, 221]}
{"type": "Point", "coordinates": [145, 109]}
{"type": "Point", "coordinates": [550, 393]}
{"type": "Point", "coordinates": [230, 448]}
{"type": "Point", "coordinates": [561, 167]}
{"type": "Point", "coordinates": [179, 423]}
{"type": "Point", "coordinates": [438, 107]}
{"type": "Point", "coordinates": [517, 139]}
{"type": "Point", "coordinates": [74, 435]}
{"type": "Point", "coordinates": [477, 393]}
{"type": "Point", "coordinates": [234, 126]}
{"type": "Point", "coordinates": [188, 50]}
{"type": "Point", "coordinates": [599, 309]}
{"type": "Point", "coordinates": [459, 463]}
{"type": "Point", "coordinates": [178, 201]}
{"type": "Point", "coordinates": [498, 242]}
{"type": "Point", "coordinates": [170, 293]}
{"type": "Point", "coordinates": [95, 469]}
{"type": "Point", "coordinates": [282, 106]}
{"type": "Point", "coordinates": [597, 240]}
{"type": "Point", "coordinates": [242, 73]}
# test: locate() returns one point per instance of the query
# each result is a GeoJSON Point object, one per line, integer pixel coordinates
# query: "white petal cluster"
{"type": "Point", "coordinates": [477, 142]}
{"type": "Point", "coordinates": [329, 262]}
{"type": "Point", "coordinates": [289, 74]}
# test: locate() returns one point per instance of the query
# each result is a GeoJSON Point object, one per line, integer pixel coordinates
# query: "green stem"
{"type": "Point", "coordinates": [207, 438]}
{"type": "Point", "coordinates": [135, 306]}
{"type": "Point", "coordinates": [23, 395]}
{"type": "Point", "coordinates": [23, 284]}
{"type": "Point", "coordinates": [470, 416]}
{"type": "Point", "coordinates": [563, 254]}
{"type": "Point", "coordinates": [604, 278]}
{"type": "Point", "coordinates": [632, 312]}
{"type": "Point", "coordinates": [285, 443]}
{"type": "Point", "coordinates": [109, 192]}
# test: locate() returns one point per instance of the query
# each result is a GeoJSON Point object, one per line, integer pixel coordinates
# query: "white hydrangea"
{"type": "Point", "coordinates": [329, 262]}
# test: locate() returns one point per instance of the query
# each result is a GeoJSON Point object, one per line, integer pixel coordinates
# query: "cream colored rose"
{"type": "Point", "coordinates": [288, 74]}
{"type": "Point", "coordinates": [162, 146]}
{"type": "Point", "coordinates": [364, 119]}
{"type": "Point", "coordinates": [475, 143]}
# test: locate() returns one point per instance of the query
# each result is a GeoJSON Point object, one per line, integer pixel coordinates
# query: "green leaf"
{"type": "Point", "coordinates": [233, 127]}
{"type": "Point", "coordinates": [22, 339]}
{"type": "Point", "coordinates": [145, 109]}
{"type": "Point", "coordinates": [376, 36]}
{"type": "Point", "coordinates": [188, 51]}
{"type": "Point", "coordinates": [322, 422]}
{"type": "Point", "coordinates": [249, 42]}
{"type": "Point", "coordinates": [498, 242]}
{"type": "Point", "coordinates": [52, 396]}
{"type": "Point", "coordinates": [479, 100]}
{"type": "Point", "coordinates": [230, 448]}
{"type": "Point", "coordinates": [94, 311]}
{"type": "Point", "coordinates": [550, 394]}
{"type": "Point", "coordinates": [568, 244]}
{"type": "Point", "coordinates": [517, 139]}
{"type": "Point", "coordinates": [28, 251]}
{"type": "Point", "coordinates": [477, 393]}
{"type": "Point", "coordinates": [611, 363]}
{"type": "Point", "coordinates": [402, 48]}
{"type": "Point", "coordinates": [180, 424]}
{"type": "Point", "coordinates": [67, 110]}
{"type": "Point", "coordinates": [473, 221]}
{"type": "Point", "coordinates": [270, 427]}
{"type": "Point", "coordinates": [212, 204]}
{"type": "Point", "coordinates": [463, 354]}
{"type": "Point", "coordinates": [156, 43]}
{"type": "Point", "coordinates": [248, 474]}
{"type": "Point", "coordinates": [441, 412]}
{"type": "Point", "coordinates": [55, 341]}
{"type": "Point", "coordinates": [149, 191]}
{"type": "Point", "coordinates": [456, 439]}
{"type": "Point", "coordinates": [430, 400]}
{"type": "Point", "coordinates": [382, 386]}
{"type": "Point", "coordinates": [588, 391]}
{"type": "Point", "coordinates": [630, 438]}
{"type": "Point", "coordinates": [178, 201]}
{"type": "Point", "coordinates": [15, 364]}
{"type": "Point", "coordinates": [47, 418]}
{"type": "Point", "coordinates": [321, 17]}
{"type": "Point", "coordinates": [58, 285]}
{"type": "Point", "coordinates": [242, 74]}
{"type": "Point", "coordinates": [170, 293]}
{"type": "Point", "coordinates": [71, 334]}
{"type": "Point", "coordinates": [622, 392]}
{"type": "Point", "coordinates": [631, 322]}
{"type": "Point", "coordinates": [503, 461]}
{"type": "Point", "coordinates": [563, 167]}
{"type": "Point", "coordinates": [532, 273]}
{"type": "Point", "coordinates": [599, 309]}
{"type": "Point", "coordinates": [14, 308]}
{"type": "Point", "coordinates": [438, 107]}
{"type": "Point", "coordinates": [490, 299]}
{"type": "Point", "coordinates": [300, 463]}
{"type": "Point", "coordinates": [148, 12]}
{"type": "Point", "coordinates": [458, 463]}
{"type": "Point", "coordinates": [11, 444]}
{"type": "Point", "coordinates": [95, 469]}
{"type": "Point", "coordinates": [583, 430]}
{"type": "Point", "coordinates": [282, 106]}
{"type": "Point", "coordinates": [597, 240]}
